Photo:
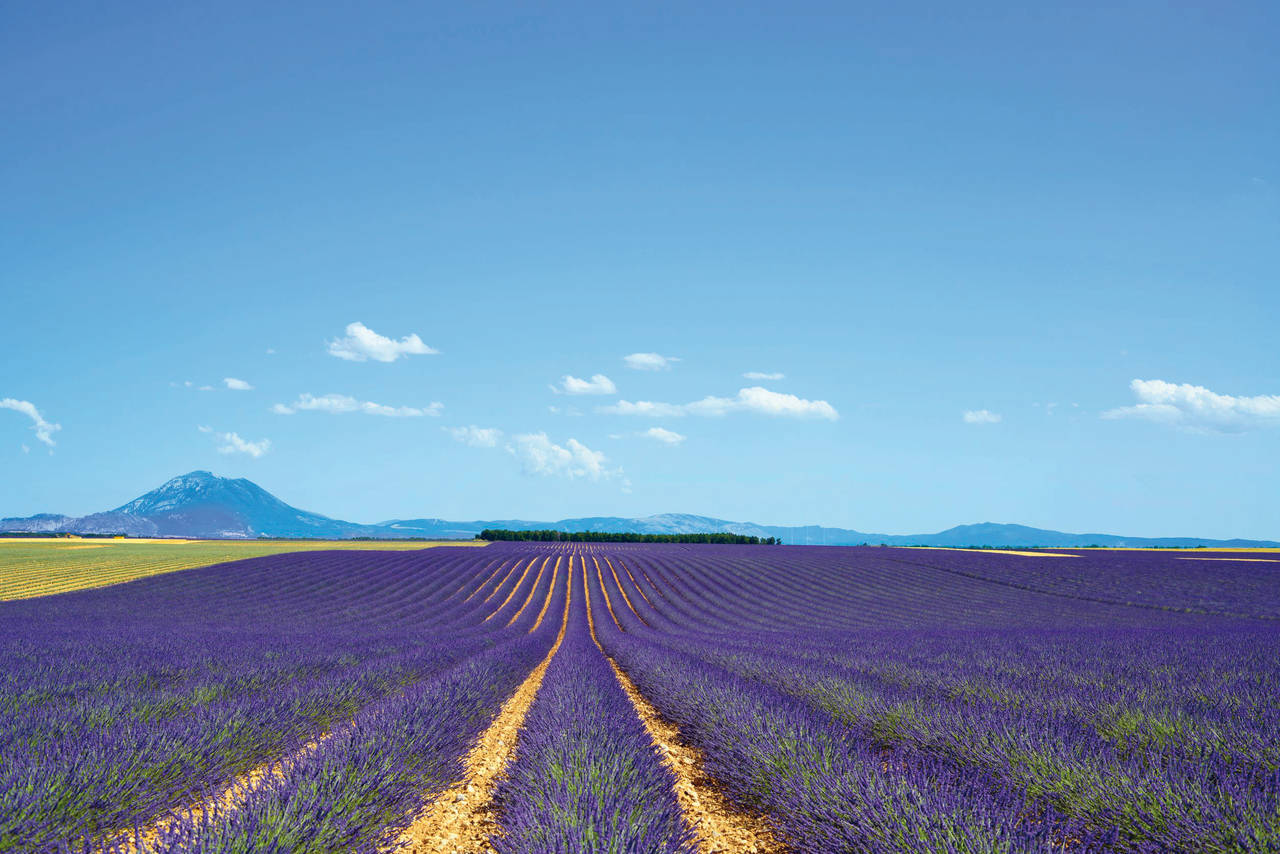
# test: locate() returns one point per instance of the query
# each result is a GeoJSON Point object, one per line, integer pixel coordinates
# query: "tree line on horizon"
{"type": "Point", "coordinates": [623, 537]}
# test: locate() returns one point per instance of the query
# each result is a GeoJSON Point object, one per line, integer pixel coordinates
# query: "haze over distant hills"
{"type": "Point", "coordinates": [202, 505]}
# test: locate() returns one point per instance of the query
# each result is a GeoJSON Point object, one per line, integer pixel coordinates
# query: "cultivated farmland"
{"type": "Point", "coordinates": [544, 697]}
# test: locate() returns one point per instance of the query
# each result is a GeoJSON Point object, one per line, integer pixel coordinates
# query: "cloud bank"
{"type": "Point", "coordinates": [649, 362]}
{"type": "Point", "coordinates": [754, 399]}
{"type": "Point", "coordinates": [598, 384]}
{"type": "Point", "coordinates": [362, 344]}
{"type": "Point", "coordinates": [1197, 408]}
{"type": "Point", "coordinates": [340, 404]}
{"type": "Point", "coordinates": [44, 430]}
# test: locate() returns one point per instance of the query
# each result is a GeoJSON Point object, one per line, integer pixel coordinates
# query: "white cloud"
{"type": "Point", "coordinates": [646, 407]}
{"type": "Point", "coordinates": [669, 437]}
{"type": "Point", "coordinates": [981, 416]}
{"type": "Point", "coordinates": [753, 399]}
{"type": "Point", "coordinates": [339, 404]}
{"type": "Point", "coordinates": [598, 384]}
{"type": "Point", "coordinates": [649, 362]}
{"type": "Point", "coordinates": [44, 430]}
{"type": "Point", "coordinates": [539, 455]}
{"type": "Point", "coordinates": [362, 344]}
{"type": "Point", "coordinates": [761, 375]}
{"type": "Point", "coordinates": [1197, 408]}
{"type": "Point", "coordinates": [476, 437]}
{"type": "Point", "coordinates": [231, 443]}
{"type": "Point", "coordinates": [658, 434]}
{"type": "Point", "coordinates": [237, 385]}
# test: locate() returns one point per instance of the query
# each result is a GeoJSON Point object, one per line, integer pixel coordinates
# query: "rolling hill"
{"type": "Point", "coordinates": [200, 504]}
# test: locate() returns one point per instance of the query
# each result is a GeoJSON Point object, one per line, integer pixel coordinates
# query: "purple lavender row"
{"type": "Point", "coordinates": [821, 789]}
{"type": "Point", "coordinates": [1147, 664]}
{"type": "Point", "coordinates": [128, 701]}
{"type": "Point", "coordinates": [1090, 741]}
{"type": "Point", "coordinates": [362, 787]}
{"type": "Point", "coordinates": [1245, 584]}
{"type": "Point", "coordinates": [1202, 782]}
{"type": "Point", "coordinates": [821, 786]}
{"type": "Point", "coordinates": [587, 777]}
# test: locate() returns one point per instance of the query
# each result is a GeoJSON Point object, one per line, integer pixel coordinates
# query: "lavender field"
{"type": "Point", "coordinates": [668, 698]}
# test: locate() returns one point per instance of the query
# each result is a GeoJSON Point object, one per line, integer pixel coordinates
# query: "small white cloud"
{"type": "Point", "coordinates": [761, 375]}
{"type": "Point", "coordinates": [668, 437]}
{"type": "Point", "coordinates": [231, 443]}
{"type": "Point", "coordinates": [26, 449]}
{"type": "Point", "coordinates": [204, 429]}
{"type": "Point", "coordinates": [188, 383]}
{"type": "Point", "coordinates": [236, 385]}
{"type": "Point", "coordinates": [205, 388]}
{"type": "Point", "coordinates": [659, 434]}
{"type": "Point", "coordinates": [476, 437]}
{"type": "Point", "coordinates": [649, 362]}
{"type": "Point", "coordinates": [754, 399]}
{"type": "Point", "coordinates": [539, 455]}
{"type": "Point", "coordinates": [44, 430]}
{"type": "Point", "coordinates": [1197, 408]}
{"type": "Point", "coordinates": [981, 416]}
{"type": "Point", "coordinates": [271, 351]}
{"type": "Point", "coordinates": [339, 404]}
{"type": "Point", "coordinates": [598, 384]}
{"type": "Point", "coordinates": [362, 344]}
{"type": "Point", "coordinates": [646, 407]}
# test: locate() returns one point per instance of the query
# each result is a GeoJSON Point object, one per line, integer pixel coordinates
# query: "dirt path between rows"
{"type": "Point", "coordinates": [721, 827]}
{"type": "Point", "coordinates": [234, 794]}
{"type": "Point", "coordinates": [461, 819]}
{"type": "Point", "coordinates": [229, 799]}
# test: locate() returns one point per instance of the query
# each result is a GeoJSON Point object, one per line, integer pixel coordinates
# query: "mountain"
{"type": "Point", "coordinates": [202, 505]}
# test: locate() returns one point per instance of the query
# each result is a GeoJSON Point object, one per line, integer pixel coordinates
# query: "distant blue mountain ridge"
{"type": "Point", "coordinates": [201, 505]}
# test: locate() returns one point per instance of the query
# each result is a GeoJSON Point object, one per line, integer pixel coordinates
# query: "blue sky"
{"type": "Point", "coordinates": [1013, 263]}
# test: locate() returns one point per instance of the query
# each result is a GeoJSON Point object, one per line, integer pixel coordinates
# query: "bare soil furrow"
{"type": "Point", "coordinates": [461, 819]}
{"type": "Point", "coordinates": [720, 826]}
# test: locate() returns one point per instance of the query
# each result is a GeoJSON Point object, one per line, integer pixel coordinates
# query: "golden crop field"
{"type": "Point", "coordinates": [38, 567]}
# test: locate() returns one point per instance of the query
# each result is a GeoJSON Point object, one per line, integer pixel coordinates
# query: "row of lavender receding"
{"type": "Point", "coordinates": [586, 775]}
{"type": "Point", "coordinates": [1144, 730]}
{"type": "Point", "coordinates": [860, 699]}
{"type": "Point", "coordinates": [124, 703]}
